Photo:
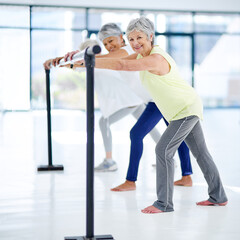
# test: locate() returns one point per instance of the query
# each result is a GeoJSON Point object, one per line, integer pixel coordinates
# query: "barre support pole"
{"type": "Point", "coordinates": [50, 166]}
{"type": "Point", "coordinates": [89, 58]}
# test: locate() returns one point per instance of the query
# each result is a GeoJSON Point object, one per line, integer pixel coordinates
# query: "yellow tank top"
{"type": "Point", "coordinates": [174, 97]}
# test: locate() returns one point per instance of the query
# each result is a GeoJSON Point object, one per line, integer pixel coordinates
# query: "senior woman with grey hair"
{"type": "Point", "coordinates": [111, 36]}
{"type": "Point", "coordinates": [179, 104]}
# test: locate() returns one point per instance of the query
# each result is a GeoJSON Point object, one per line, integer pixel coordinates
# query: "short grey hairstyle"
{"type": "Point", "coordinates": [109, 30]}
{"type": "Point", "coordinates": [141, 24]}
{"type": "Point", "coordinates": [88, 43]}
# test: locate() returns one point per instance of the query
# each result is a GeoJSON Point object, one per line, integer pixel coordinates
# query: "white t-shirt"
{"type": "Point", "coordinates": [118, 89]}
{"type": "Point", "coordinates": [113, 92]}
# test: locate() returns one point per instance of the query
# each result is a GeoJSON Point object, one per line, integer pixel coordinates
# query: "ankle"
{"type": "Point", "coordinates": [187, 177]}
{"type": "Point", "coordinates": [130, 182]}
{"type": "Point", "coordinates": [108, 155]}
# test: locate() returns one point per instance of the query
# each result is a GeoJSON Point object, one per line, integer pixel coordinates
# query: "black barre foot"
{"type": "Point", "coordinates": [98, 237]}
{"type": "Point", "coordinates": [50, 168]}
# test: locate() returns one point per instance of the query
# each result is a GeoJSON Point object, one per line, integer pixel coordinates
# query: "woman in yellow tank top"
{"type": "Point", "coordinates": [179, 104]}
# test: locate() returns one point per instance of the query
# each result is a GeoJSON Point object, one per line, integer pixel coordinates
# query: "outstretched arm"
{"type": "Point", "coordinates": [120, 53]}
{"type": "Point", "coordinates": [154, 63]}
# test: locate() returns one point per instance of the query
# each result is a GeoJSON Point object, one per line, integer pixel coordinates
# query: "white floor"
{"type": "Point", "coordinates": [50, 206]}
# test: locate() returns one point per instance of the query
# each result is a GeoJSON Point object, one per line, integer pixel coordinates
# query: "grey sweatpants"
{"type": "Point", "coordinates": [189, 130]}
{"type": "Point", "coordinates": [105, 124]}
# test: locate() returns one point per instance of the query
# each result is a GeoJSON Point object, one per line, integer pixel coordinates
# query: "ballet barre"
{"type": "Point", "coordinates": [90, 51]}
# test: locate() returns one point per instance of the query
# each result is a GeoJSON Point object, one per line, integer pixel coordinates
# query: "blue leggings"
{"type": "Point", "coordinates": [147, 121]}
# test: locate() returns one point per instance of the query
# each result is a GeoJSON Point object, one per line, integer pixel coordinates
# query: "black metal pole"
{"type": "Point", "coordinates": [49, 121]}
{"type": "Point", "coordinates": [50, 166]}
{"type": "Point", "coordinates": [90, 63]}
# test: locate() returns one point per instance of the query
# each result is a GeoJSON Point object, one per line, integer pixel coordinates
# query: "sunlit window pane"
{"type": "Point", "coordinates": [179, 22]}
{"type": "Point", "coordinates": [217, 23]}
{"type": "Point", "coordinates": [171, 22]}
{"type": "Point", "coordinates": [14, 65]}
{"type": "Point", "coordinates": [14, 16]}
{"type": "Point", "coordinates": [97, 18]}
{"type": "Point", "coordinates": [57, 30]}
{"type": "Point", "coordinates": [179, 47]}
{"type": "Point", "coordinates": [67, 86]}
{"type": "Point", "coordinates": [161, 41]}
{"type": "Point", "coordinates": [66, 18]}
{"type": "Point", "coordinates": [217, 73]}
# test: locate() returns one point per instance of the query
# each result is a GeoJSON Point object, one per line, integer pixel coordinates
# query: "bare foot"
{"type": "Point", "coordinates": [127, 186]}
{"type": "Point", "coordinates": [207, 203]}
{"type": "Point", "coordinates": [185, 181]}
{"type": "Point", "coordinates": [151, 209]}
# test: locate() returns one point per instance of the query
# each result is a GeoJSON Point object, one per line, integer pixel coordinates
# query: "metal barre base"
{"type": "Point", "coordinates": [50, 168]}
{"type": "Point", "coordinates": [98, 237]}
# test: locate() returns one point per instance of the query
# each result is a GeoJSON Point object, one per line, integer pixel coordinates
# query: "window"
{"type": "Point", "coordinates": [66, 88]}
{"type": "Point", "coordinates": [171, 22]}
{"type": "Point", "coordinates": [60, 18]}
{"type": "Point", "coordinates": [205, 47]}
{"type": "Point", "coordinates": [14, 16]}
{"type": "Point", "coordinates": [217, 23]}
{"type": "Point", "coordinates": [55, 32]}
{"type": "Point", "coordinates": [179, 47]}
{"type": "Point", "coordinates": [15, 69]}
{"type": "Point", "coordinates": [217, 70]}
{"type": "Point", "coordinates": [97, 18]}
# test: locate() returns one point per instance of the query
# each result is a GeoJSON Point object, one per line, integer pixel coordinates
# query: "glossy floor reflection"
{"type": "Point", "coordinates": [49, 206]}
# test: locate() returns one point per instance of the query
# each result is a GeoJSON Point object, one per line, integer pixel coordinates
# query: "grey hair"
{"type": "Point", "coordinates": [141, 24]}
{"type": "Point", "coordinates": [109, 30]}
{"type": "Point", "coordinates": [88, 43]}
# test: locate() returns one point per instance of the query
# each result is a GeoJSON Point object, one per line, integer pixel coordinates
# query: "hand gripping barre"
{"type": "Point", "coordinates": [80, 55]}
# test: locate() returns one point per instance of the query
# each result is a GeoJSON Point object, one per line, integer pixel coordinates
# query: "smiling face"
{"type": "Point", "coordinates": [113, 43]}
{"type": "Point", "coordinates": [140, 42]}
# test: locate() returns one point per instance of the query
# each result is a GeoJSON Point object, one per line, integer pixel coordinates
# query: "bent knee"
{"type": "Point", "coordinates": [103, 122]}
{"type": "Point", "coordinates": [163, 151]}
{"type": "Point", "coordinates": [136, 134]}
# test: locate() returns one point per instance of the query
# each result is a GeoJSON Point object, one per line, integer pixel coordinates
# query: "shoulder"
{"type": "Point", "coordinates": [159, 53]}
{"type": "Point", "coordinates": [157, 49]}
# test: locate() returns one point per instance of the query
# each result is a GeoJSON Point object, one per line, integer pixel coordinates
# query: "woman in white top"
{"type": "Point", "coordinates": [119, 93]}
